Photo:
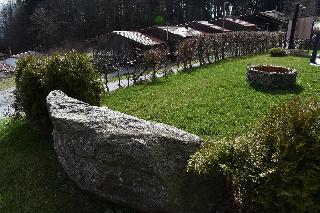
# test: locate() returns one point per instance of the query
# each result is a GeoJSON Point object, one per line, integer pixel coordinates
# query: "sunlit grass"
{"type": "Point", "coordinates": [7, 83]}
{"type": "Point", "coordinates": [214, 101]}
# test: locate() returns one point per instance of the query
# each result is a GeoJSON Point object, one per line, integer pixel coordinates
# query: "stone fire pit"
{"type": "Point", "coordinates": [271, 77]}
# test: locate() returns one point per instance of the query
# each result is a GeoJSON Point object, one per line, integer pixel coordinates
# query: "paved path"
{"type": "Point", "coordinates": [113, 86]}
{"type": "Point", "coordinates": [124, 82]}
{"type": "Point", "coordinates": [6, 102]}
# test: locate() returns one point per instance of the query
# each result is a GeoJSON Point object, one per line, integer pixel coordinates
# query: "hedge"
{"type": "Point", "coordinates": [73, 73]}
{"type": "Point", "coordinates": [210, 48]}
{"type": "Point", "coordinates": [276, 167]}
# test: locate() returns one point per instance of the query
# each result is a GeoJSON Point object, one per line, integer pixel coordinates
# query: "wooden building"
{"type": "Point", "coordinates": [172, 34]}
{"type": "Point", "coordinates": [266, 22]}
{"type": "Point", "coordinates": [235, 24]}
{"type": "Point", "coordinates": [119, 41]}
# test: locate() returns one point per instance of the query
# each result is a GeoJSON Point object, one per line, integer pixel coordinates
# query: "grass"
{"type": "Point", "coordinates": [7, 83]}
{"type": "Point", "coordinates": [32, 180]}
{"type": "Point", "coordinates": [214, 101]}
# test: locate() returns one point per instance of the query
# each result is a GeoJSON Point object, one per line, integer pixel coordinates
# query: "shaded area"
{"type": "Point", "coordinates": [295, 90]}
{"type": "Point", "coordinates": [32, 180]}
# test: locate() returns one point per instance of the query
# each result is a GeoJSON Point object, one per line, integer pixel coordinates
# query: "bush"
{"type": "Point", "coordinates": [186, 52]}
{"type": "Point", "coordinates": [210, 48]}
{"type": "Point", "coordinates": [155, 58]}
{"type": "Point", "coordinates": [72, 73]}
{"type": "Point", "coordinates": [278, 52]}
{"type": "Point", "coordinates": [276, 167]}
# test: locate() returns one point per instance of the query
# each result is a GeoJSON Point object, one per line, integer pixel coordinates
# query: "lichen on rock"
{"type": "Point", "coordinates": [128, 160]}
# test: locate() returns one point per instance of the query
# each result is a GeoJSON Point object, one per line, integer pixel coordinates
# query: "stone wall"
{"type": "Point", "coordinates": [271, 80]}
{"type": "Point", "coordinates": [130, 161]}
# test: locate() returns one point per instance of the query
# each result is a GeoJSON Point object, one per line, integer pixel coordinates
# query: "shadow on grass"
{"type": "Point", "coordinates": [190, 70]}
{"type": "Point", "coordinates": [295, 90]}
{"type": "Point", "coordinates": [32, 180]}
{"type": "Point", "coordinates": [153, 82]}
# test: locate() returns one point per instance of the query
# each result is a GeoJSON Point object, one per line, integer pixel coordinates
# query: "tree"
{"type": "Point", "coordinates": [45, 24]}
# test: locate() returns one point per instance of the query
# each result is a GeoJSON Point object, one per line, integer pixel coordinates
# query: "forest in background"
{"type": "Point", "coordinates": [46, 24]}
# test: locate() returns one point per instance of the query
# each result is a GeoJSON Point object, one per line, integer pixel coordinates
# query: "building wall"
{"type": "Point", "coordinates": [115, 43]}
{"type": "Point", "coordinates": [265, 22]}
{"type": "Point", "coordinates": [162, 35]}
{"type": "Point", "coordinates": [303, 28]}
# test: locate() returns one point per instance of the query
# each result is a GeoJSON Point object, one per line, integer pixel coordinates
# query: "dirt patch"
{"type": "Point", "coordinates": [271, 69]}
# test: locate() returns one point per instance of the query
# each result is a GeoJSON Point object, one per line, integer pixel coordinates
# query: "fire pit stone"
{"type": "Point", "coordinates": [271, 77]}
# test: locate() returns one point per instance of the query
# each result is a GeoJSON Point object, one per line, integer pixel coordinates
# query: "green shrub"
{"type": "Point", "coordinates": [277, 165]}
{"type": "Point", "coordinates": [72, 73]}
{"type": "Point", "coordinates": [278, 52]}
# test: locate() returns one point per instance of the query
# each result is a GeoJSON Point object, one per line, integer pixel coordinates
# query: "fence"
{"type": "Point", "coordinates": [204, 49]}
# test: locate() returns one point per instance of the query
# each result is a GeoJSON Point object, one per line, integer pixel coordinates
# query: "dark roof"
{"type": "Point", "coordinates": [264, 17]}
{"type": "Point", "coordinates": [140, 38]}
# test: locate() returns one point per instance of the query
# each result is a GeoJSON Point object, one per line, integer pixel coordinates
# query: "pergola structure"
{"type": "Point", "coordinates": [265, 22]}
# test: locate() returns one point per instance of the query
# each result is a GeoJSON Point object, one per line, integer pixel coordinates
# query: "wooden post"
{"type": "Point", "coordinates": [293, 27]}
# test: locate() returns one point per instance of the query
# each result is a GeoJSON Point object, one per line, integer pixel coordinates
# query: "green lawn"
{"type": "Point", "coordinates": [7, 83]}
{"type": "Point", "coordinates": [214, 101]}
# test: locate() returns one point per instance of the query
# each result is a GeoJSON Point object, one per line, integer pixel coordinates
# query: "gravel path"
{"type": "Point", "coordinates": [124, 83]}
{"type": "Point", "coordinates": [6, 102]}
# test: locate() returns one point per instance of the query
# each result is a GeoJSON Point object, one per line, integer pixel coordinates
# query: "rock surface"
{"type": "Point", "coordinates": [129, 161]}
{"type": "Point", "coordinates": [7, 98]}
{"type": "Point", "coordinates": [271, 79]}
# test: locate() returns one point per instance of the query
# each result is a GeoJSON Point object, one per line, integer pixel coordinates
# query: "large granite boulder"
{"type": "Point", "coordinates": [129, 161]}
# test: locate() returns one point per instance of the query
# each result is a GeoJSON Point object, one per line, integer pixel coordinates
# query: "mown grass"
{"type": "Point", "coordinates": [32, 180]}
{"type": "Point", "coordinates": [7, 83]}
{"type": "Point", "coordinates": [214, 101]}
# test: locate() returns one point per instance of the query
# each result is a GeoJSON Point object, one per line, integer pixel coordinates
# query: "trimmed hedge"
{"type": "Point", "coordinates": [210, 48]}
{"type": "Point", "coordinates": [278, 52]}
{"type": "Point", "coordinates": [276, 167]}
{"type": "Point", "coordinates": [73, 73]}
